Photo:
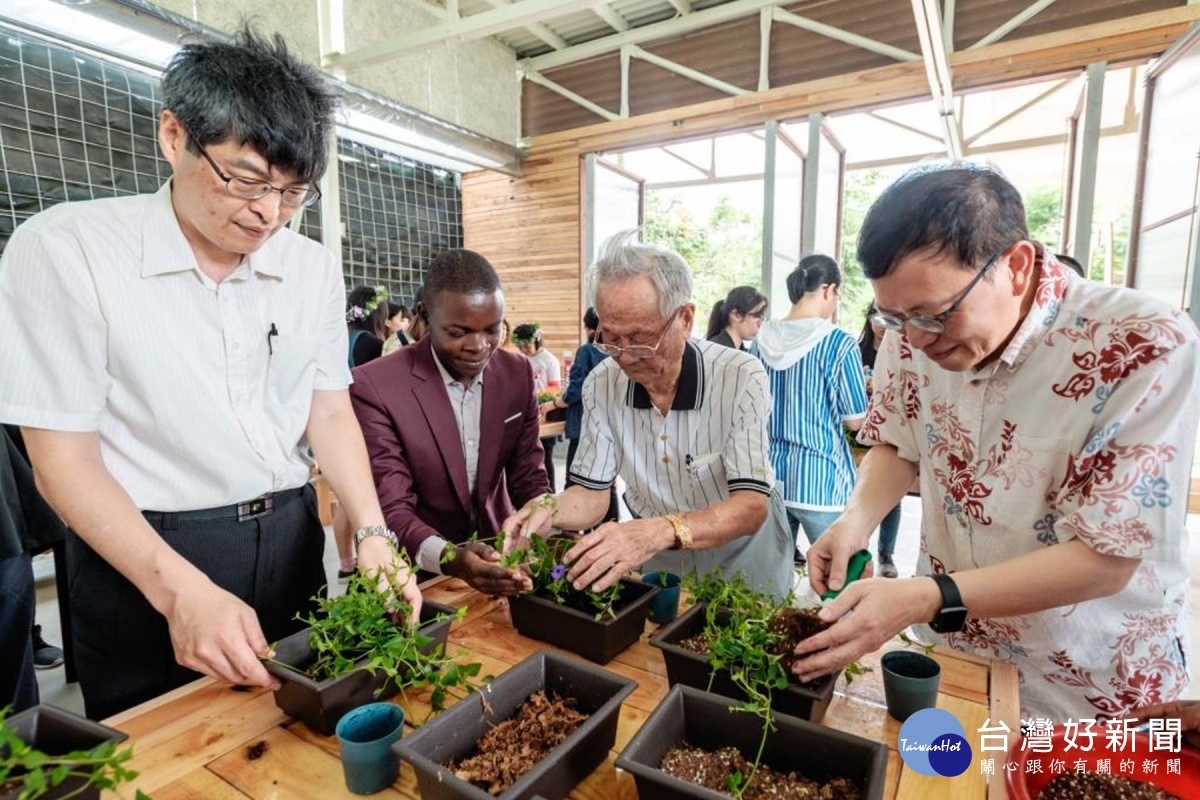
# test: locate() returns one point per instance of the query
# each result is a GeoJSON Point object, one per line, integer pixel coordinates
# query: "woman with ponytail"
{"type": "Point", "coordinates": [736, 319]}
{"type": "Point", "coordinates": [816, 378]}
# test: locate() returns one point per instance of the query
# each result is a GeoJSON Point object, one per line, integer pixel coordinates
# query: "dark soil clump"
{"type": "Point", "coordinates": [515, 746]}
{"type": "Point", "coordinates": [794, 625]}
{"type": "Point", "coordinates": [1094, 786]}
{"type": "Point", "coordinates": [713, 769]}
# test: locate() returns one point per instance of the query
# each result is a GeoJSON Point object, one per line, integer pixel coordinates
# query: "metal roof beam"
{"type": "Point", "coordinates": [680, 69]}
{"type": "Point", "coordinates": [578, 99]}
{"type": "Point", "coordinates": [1029, 13]}
{"type": "Point", "coordinates": [845, 36]}
{"type": "Point", "coordinates": [658, 30]}
{"type": "Point", "coordinates": [611, 18]}
{"type": "Point", "coordinates": [476, 26]}
{"type": "Point", "coordinates": [937, 72]}
{"type": "Point", "coordinates": [536, 28]}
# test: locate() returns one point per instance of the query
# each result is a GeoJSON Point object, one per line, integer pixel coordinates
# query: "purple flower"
{"type": "Point", "coordinates": [558, 573]}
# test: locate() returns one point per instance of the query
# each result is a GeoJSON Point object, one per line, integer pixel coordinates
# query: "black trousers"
{"type": "Point", "coordinates": [123, 650]}
{"type": "Point", "coordinates": [613, 514]}
{"type": "Point", "coordinates": [18, 685]}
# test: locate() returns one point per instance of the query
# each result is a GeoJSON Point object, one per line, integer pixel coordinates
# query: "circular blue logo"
{"type": "Point", "coordinates": [933, 742]}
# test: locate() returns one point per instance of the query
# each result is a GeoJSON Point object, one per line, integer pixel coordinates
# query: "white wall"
{"type": "Point", "coordinates": [472, 84]}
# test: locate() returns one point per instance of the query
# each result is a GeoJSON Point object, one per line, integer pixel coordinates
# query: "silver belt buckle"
{"type": "Point", "coordinates": [253, 509]}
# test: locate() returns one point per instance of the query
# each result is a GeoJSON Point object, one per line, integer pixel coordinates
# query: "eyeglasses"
{"type": "Point", "coordinates": [937, 322]}
{"type": "Point", "coordinates": [253, 189]}
{"type": "Point", "coordinates": [639, 351]}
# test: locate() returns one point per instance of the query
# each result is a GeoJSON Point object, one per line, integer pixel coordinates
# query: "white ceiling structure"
{"type": "Point", "coordinates": [548, 34]}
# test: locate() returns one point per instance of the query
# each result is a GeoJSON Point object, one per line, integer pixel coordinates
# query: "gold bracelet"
{"type": "Point", "coordinates": [683, 533]}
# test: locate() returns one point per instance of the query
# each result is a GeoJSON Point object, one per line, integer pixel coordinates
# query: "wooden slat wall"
{"type": "Point", "coordinates": [530, 227]}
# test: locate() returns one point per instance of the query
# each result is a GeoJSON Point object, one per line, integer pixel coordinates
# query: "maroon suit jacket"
{"type": "Point", "coordinates": [416, 450]}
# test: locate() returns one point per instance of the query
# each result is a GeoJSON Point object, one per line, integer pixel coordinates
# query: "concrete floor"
{"type": "Point", "coordinates": [55, 689]}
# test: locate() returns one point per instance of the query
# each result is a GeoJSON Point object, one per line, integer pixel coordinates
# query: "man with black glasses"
{"type": "Point", "coordinates": [170, 358]}
{"type": "Point", "coordinates": [683, 422]}
{"type": "Point", "coordinates": [1053, 421]}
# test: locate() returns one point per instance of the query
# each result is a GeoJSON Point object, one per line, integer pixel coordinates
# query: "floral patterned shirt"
{"type": "Point", "coordinates": [1083, 428]}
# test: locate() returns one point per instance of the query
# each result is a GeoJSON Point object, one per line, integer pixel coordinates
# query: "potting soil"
{"type": "Point", "coordinates": [712, 769]}
{"type": "Point", "coordinates": [1094, 786]}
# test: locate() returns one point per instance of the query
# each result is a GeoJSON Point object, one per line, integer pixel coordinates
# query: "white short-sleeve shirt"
{"type": "Point", "coordinates": [109, 325]}
{"type": "Point", "coordinates": [713, 441]}
{"type": "Point", "coordinates": [1083, 428]}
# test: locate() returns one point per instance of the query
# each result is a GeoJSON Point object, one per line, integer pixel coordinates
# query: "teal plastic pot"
{"type": "Point", "coordinates": [664, 606]}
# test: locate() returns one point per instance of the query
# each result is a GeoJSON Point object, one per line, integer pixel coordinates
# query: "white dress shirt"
{"type": "Point", "coordinates": [109, 325]}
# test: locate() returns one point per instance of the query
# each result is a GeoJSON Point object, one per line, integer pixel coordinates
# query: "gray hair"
{"type": "Point", "coordinates": [622, 256]}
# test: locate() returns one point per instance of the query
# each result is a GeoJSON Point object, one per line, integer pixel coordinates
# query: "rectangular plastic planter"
{"type": "Point", "coordinates": [562, 626]}
{"type": "Point", "coordinates": [692, 669]}
{"type": "Point", "coordinates": [57, 732]}
{"type": "Point", "coordinates": [320, 704]}
{"type": "Point", "coordinates": [454, 733]}
{"type": "Point", "coordinates": [706, 720]}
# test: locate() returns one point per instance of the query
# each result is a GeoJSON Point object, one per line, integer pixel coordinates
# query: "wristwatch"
{"type": "Point", "coordinates": [376, 530]}
{"type": "Point", "coordinates": [953, 615]}
{"type": "Point", "coordinates": [683, 534]}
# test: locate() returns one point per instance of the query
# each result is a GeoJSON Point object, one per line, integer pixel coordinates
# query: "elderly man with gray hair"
{"type": "Point", "coordinates": [683, 422]}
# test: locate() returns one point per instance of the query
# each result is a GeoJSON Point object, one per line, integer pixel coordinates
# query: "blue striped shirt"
{"type": "Point", "coordinates": [812, 397]}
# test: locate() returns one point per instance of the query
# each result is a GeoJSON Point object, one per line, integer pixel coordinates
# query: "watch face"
{"type": "Point", "coordinates": [951, 619]}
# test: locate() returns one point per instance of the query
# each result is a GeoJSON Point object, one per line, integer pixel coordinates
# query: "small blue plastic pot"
{"type": "Point", "coordinates": [664, 606]}
{"type": "Point", "coordinates": [365, 736]}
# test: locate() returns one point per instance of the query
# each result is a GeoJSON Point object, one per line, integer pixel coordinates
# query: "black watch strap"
{"type": "Point", "coordinates": [953, 615]}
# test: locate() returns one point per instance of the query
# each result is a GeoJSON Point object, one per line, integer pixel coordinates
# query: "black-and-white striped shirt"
{"type": "Point", "coordinates": [713, 441]}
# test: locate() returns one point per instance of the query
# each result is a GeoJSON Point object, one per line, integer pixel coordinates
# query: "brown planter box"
{"type": "Point", "coordinates": [57, 732]}
{"type": "Point", "coordinates": [709, 721]}
{"type": "Point", "coordinates": [692, 669]}
{"type": "Point", "coordinates": [452, 735]}
{"type": "Point", "coordinates": [320, 704]}
{"type": "Point", "coordinates": [578, 631]}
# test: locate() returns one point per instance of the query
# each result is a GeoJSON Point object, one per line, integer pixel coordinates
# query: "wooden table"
{"type": "Point", "coordinates": [195, 742]}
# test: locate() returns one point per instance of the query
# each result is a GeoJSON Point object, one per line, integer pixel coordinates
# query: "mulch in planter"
{"type": "Point", "coordinates": [515, 746]}
{"type": "Point", "coordinates": [1095, 786]}
{"type": "Point", "coordinates": [713, 768]}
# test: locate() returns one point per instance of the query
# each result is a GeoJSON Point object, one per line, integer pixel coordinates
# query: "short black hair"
{"type": "Point", "coordinates": [591, 320]}
{"type": "Point", "coordinates": [813, 272]}
{"type": "Point", "coordinates": [970, 210]}
{"type": "Point", "coordinates": [1071, 262]}
{"type": "Point", "coordinates": [460, 271]}
{"type": "Point", "coordinates": [252, 91]}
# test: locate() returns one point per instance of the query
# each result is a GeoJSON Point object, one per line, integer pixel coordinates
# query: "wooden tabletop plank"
{"type": "Point", "coordinates": [198, 784]}
{"type": "Point", "coordinates": [290, 767]}
{"type": "Point", "coordinates": [161, 759]}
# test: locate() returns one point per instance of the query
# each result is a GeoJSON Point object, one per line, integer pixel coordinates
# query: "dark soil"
{"type": "Point", "coordinates": [1094, 786]}
{"type": "Point", "coordinates": [794, 625]}
{"type": "Point", "coordinates": [515, 746]}
{"type": "Point", "coordinates": [712, 768]}
{"type": "Point", "coordinates": [583, 603]}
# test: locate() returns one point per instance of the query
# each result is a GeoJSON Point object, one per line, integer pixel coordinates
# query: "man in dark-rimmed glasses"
{"type": "Point", "coordinates": [170, 358]}
{"type": "Point", "coordinates": [1053, 421]}
{"type": "Point", "coordinates": [683, 423]}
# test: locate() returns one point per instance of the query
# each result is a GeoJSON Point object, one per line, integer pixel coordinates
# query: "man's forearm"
{"type": "Point", "coordinates": [337, 440]}
{"type": "Point", "coordinates": [883, 480]}
{"type": "Point", "coordinates": [741, 514]}
{"type": "Point", "coordinates": [72, 477]}
{"type": "Point", "coordinates": [580, 508]}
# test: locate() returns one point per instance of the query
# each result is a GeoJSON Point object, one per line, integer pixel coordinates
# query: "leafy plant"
{"type": "Point", "coordinates": [744, 642]}
{"type": "Point", "coordinates": [542, 559]}
{"type": "Point", "coordinates": [545, 396]}
{"type": "Point", "coordinates": [356, 632]}
{"type": "Point", "coordinates": [36, 773]}
{"type": "Point", "coordinates": [927, 649]}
